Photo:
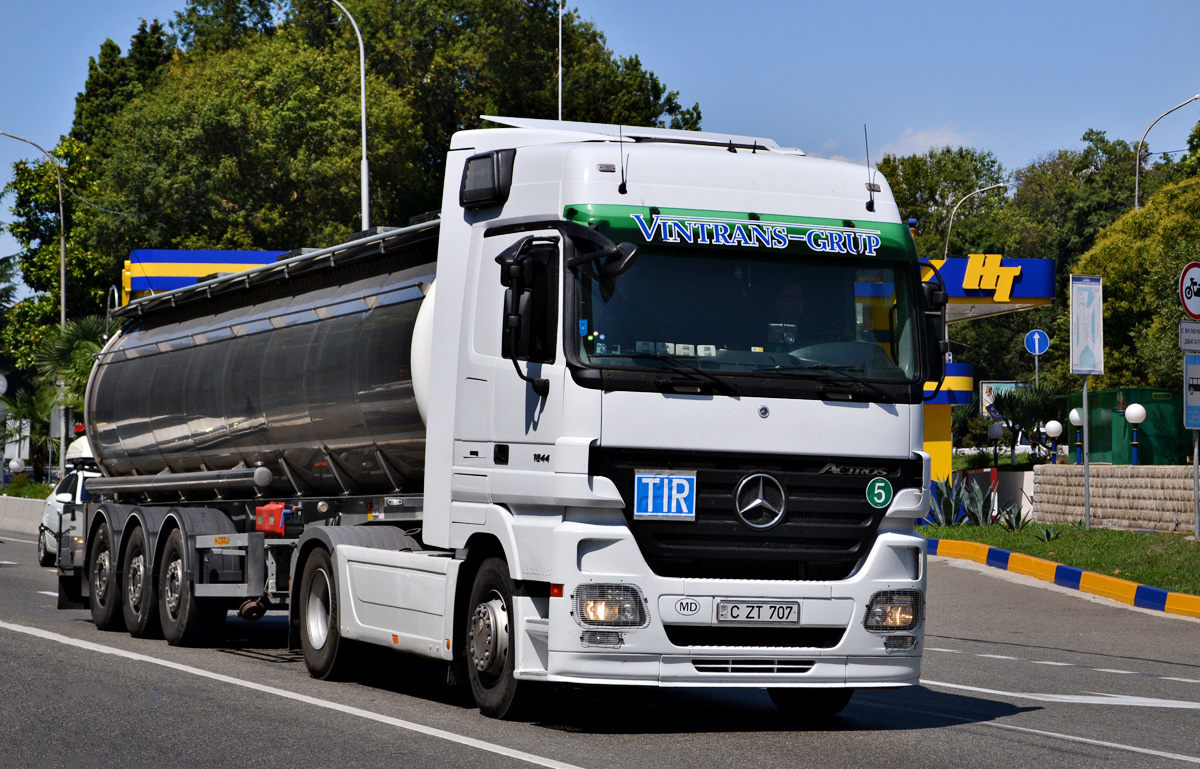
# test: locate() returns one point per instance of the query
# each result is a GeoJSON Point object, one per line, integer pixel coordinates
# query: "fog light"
{"type": "Point", "coordinates": [899, 643]}
{"type": "Point", "coordinates": [605, 638]}
{"type": "Point", "coordinates": [610, 606]}
{"type": "Point", "coordinates": [893, 610]}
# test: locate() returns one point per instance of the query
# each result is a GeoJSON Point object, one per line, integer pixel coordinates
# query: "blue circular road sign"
{"type": "Point", "coordinates": [1037, 342]}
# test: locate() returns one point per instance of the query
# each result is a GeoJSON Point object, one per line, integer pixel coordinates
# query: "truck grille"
{"type": "Point", "coordinates": [827, 529]}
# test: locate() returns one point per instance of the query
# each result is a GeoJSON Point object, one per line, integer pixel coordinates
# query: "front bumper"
{"type": "Point", "coordinates": [829, 647]}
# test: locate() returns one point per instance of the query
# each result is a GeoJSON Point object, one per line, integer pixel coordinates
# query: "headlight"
{"type": "Point", "coordinates": [893, 610]}
{"type": "Point", "coordinates": [610, 606]}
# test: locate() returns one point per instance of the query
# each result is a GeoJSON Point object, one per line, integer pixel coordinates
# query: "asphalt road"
{"type": "Point", "coordinates": [1015, 675]}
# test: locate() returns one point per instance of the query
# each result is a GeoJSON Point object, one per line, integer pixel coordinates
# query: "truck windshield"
{"type": "Point", "coordinates": [744, 314]}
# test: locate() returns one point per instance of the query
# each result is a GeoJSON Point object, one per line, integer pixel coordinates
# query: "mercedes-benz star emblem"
{"type": "Point", "coordinates": [760, 501]}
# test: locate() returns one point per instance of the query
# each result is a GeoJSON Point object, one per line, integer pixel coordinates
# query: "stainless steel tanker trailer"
{"type": "Point", "coordinates": [604, 449]}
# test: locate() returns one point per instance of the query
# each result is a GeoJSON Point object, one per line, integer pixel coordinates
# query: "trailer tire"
{"type": "Point", "coordinates": [103, 582]}
{"type": "Point", "coordinates": [185, 619]}
{"type": "Point", "coordinates": [811, 704]}
{"type": "Point", "coordinates": [320, 637]}
{"type": "Point", "coordinates": [490, 645]}
{"type": "Point", "coordinates": [139, 599]}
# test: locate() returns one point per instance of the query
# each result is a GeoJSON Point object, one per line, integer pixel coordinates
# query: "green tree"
{"type": "Point", "coordinates": [67, 355]}
{"type": "Point", "coordinates": [218, 25]}
{"type": "Point", "coordinates": [1139, 257]}
{"type": "Point", "coordinates": [928, 186]}
{"type": "Point", "coordinates": [113, 80]}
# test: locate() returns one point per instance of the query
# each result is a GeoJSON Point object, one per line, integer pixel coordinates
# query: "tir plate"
{"type": "Point", "coordinates": [759, 612]}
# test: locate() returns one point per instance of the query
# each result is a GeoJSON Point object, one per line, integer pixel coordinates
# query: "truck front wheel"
{"type": "Point", "coordinates": [102, 576]}
{"type": "Point", "coordinates": [320, 637]}
{"type": "Point", "coordinates": [185, 619]}
{"type": "Point", "coordinates": [490, 642]}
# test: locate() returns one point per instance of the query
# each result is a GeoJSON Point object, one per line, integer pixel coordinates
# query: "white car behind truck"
{"type": "Point", "coordinates": [576, 428]}
{"type": "Point", "coordinates": [68, 491]}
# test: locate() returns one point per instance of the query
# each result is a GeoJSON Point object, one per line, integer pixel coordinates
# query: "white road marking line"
{"type": "Point", "coordinates": [1091, 698]}
{"type": "Point", "coordinates": [47, 592]}
{"type": "Point", "coordinates": [327, 704]}
{"type": "Point", "coordinates": [1067, 665]}
{"type": "Point", "coordinates": [1052, 735]}
{"type": "Point", "coordinates": [22, 541]}
{"type": "Point", "coordinates": [9, 563]}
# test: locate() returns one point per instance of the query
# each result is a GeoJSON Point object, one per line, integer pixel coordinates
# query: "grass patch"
{"type": "Point", "coordinates": [1167, 561]}
{"type": "Point", "coordinates": [983, 461]}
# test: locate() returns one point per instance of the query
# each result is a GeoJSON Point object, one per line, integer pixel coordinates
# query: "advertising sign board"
{"type": "Point", "coordinates": [1087, 325]}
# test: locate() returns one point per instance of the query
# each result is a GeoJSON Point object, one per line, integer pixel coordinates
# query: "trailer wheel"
{"type": "Point", "coordinates": [185, 619]}
{"type": "Point", "coordinates": [490, 646]}
{"type": "Point", "coordinates": [139, 601]}
{"type": "Point", "coordinates": [320, 637]}
{"type": "Point", "coordinates": [811, 704]}
{"type": "Point", "coordinates": [102, 577]}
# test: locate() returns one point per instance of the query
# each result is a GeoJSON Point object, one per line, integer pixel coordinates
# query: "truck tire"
{"type": "Point", "coordinates": [139, 601]}
{"type": "Point", "coordinates": [811, 704]}
{"type": "Point", "coordinates": [490, 645]}
{"type": "Point", "coordinates": [102, 579]}
{"type": "Point", "coordinates": [185, 619]}
{"type": "Point", "coordinates": [320, 638]}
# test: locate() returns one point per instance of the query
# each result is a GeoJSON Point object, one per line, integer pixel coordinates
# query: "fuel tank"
{"type": "Point", "coordinates": [307, 373]}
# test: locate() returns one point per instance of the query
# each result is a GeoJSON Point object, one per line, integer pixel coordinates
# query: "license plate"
{"type": "Point", "coordinates": [759, 612]}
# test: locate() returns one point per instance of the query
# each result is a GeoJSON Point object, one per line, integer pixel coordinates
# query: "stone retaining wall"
{"type": "Point", "coordinates": [1155, 497]}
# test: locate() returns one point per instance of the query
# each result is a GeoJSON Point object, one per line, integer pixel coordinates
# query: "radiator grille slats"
{"type": "Point", "coordinates": [827, 528]}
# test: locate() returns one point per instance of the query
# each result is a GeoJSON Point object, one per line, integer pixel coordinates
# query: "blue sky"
{"type": "Point", "coordinates": [1020, 79]}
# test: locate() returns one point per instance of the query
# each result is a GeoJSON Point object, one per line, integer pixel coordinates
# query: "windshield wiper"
{"type": "Point", "coordinates": [719, 384]}
{"type": "Point", "coordinates": [845, 371]}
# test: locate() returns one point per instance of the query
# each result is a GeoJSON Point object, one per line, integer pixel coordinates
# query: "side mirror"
{"type": "Point", "coordinates": [935, 329]}
{"type": "Point", "coordinates": [530, 303]}
{"type": "Point", "coordinates": [64, 498]}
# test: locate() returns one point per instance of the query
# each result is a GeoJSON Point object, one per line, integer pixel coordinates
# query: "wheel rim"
{"type": "Point", "coordinates": [100, 576]}
{"type": "Point", "coordinates": [171, 593]}
{"type": "Point", "coordinates": [136, 579]}
{"type": "Point", "coordinates": [318, 610]}
{"type": "Point", "coordinates": [489, 635]}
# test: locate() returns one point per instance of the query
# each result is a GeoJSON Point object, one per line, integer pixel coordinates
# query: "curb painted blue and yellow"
{"type": "Point", "coordinates": [1114, 588]}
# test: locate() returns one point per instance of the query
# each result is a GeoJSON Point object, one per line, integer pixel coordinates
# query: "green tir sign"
{"type": "Point", "coordinates": [879, 492]}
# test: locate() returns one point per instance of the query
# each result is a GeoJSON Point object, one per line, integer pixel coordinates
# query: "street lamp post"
{"type": "Point", "coordinates": [362, 87]}
{"type": "Point", "coordinates": [946, 253]}
{"type": "Point", "coordinates": [1076, 417]}
{"type": "Point", "coordinates": [62, 280]}
{"type": "Point", "coordinates": [1135, 414]}
{"type": "Point", "coordinates": [1137, 160]}
{"type": "Point", "coordinates": [1054, 429]}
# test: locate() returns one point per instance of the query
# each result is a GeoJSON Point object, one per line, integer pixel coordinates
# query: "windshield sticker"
{"type": "Point", "coordinates": [583, 328]}
{"type": "Point", "coordinates": [703, 230]}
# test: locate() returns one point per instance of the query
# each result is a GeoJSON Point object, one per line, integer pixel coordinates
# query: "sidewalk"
{"type": "Point", "coordinates": [1113, 588]}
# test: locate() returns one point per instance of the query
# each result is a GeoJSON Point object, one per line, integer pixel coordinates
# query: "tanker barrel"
{"type": "Point", "coordinates": [258, 477]}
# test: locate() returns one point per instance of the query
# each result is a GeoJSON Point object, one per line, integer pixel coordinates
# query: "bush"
{"type": "Point", "coordinates": [25, 488]}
